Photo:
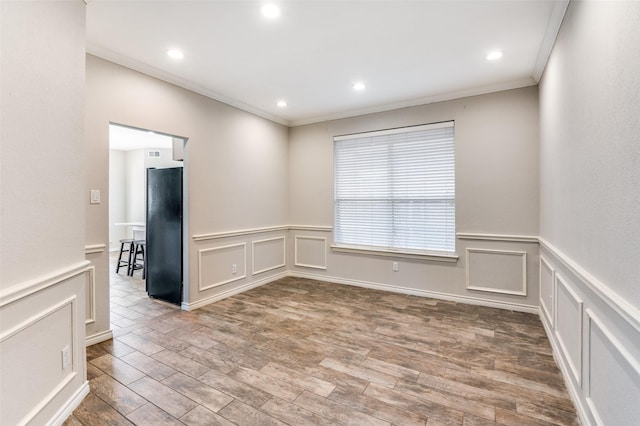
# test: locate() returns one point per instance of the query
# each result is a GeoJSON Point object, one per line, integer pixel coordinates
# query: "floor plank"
{"type": "Point", "coordinates": [304, 352]}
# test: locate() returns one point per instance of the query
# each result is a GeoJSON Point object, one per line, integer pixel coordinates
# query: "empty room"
{"type": "Point", "coordinates": [320, 212]}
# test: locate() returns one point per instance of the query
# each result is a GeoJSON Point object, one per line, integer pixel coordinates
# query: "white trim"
{"type": "Point", "coordinates": [208, 300]}
{"type": "Point", "coordinates": [497, 237]}
{"type": "Point", "coordinates": [27, 288]}
{"type": "Point", "coordinates": [95, 248]}
{"type": "Point", "coordinates": [406, 254]}
{"type": "Point", "coordinates": [218, 284]}
{"type": "Point", "coordinates": [72, 403]}
{"type": "Point", "coordinates": [553, 27]}
{"type": "Point", "coordinates": [523, 254]}
{"type": "Point", "coordinates": [422, 293]}
{"type": "Point", "coordinates": [149, 70]}
{"type": "Point", "coordinates": [545, 310]}
{"type": "Point", "coordinates": [91, 291]}
{"type": "Point", "coordinates": [615, 343]}
{"type": "Point", "coordinates": [441, 97]}
{"type": "Point", "coordinates": [623, 308]}
{"type": "Point", "coordinates": [574, 393]}
{"type": "Point", "coordinates": [238, 233]}
{"type": "Point", "coordinates": [575, 369]}
{"type": "Point", "coordinates": [29, 322]}
{"type": "Point", "coordinates": [103, 336]}
{"type": "Point", "coordinates": [253, 255]}
{"type": "Point", "coordinates": [304, 265]}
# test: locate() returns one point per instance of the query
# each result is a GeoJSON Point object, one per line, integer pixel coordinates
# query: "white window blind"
{"type": "Point", "coordinates": [395, 189]}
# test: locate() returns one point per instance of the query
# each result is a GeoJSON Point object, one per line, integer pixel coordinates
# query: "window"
{"type": "Point", "coordinates": [394, 190]}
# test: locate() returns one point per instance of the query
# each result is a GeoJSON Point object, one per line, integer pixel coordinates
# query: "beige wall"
{"type": "Point", "coordinates": [590, 207]}
{"type": "Point", "coordinates": [236, 162]}
{"type": "Point", "coordinates": [496, 192]}
{"type": "Point", "coordinates": [43, 274]}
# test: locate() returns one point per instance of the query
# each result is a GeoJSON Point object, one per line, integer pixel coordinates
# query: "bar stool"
{"type": "Point", "coordinates": [126, 242]}
{"type": "Point", "coordinates": [137, 260]}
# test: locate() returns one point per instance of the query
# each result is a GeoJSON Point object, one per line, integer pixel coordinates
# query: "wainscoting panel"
{"type": "Point", "coordinates": [90, 310]}
{"type": "Point", "coordinates": [268, 254]}
{"type": "Point", "coordinates": [568, 325]}
{"type": "Point", "coordinates": [497, 271]}
{"type": "Point", "coordinates": [613, 393]}
{"type": "Point", "coordinates": [310, 252]}
{"type": "Point", "coordinates": [216, 265]}
{"type": "Point", "coordinates": [546, 290]}
{"type": "Point", "coordinates": [39, 320]}
{"type": "Point", "coordinates": [596, 341]}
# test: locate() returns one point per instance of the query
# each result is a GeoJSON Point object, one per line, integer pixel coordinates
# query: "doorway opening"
{"type": "Point", "coordinates": [133, 153]}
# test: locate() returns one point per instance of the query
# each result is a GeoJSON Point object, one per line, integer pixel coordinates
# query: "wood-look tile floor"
{"type": "Point", "coordinates": [303, 352]}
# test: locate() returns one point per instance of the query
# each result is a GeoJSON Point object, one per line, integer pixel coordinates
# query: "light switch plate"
{"type": "Point", "coordinates": [95, 196]}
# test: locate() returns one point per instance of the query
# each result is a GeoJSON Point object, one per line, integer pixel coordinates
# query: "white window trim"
{"type": "Point", "coordinates": [388, 252]}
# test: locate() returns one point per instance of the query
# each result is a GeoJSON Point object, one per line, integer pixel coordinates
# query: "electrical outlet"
{"type": "Point", "coordinates": [234, 269]}
{"type": "Point", "coordinates": [395, 267]}
{"type": "Point", "coordinates": [66, 357]}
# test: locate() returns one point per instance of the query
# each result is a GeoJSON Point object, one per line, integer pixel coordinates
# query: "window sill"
{"type": "Point", "coordinates": [408, 254]}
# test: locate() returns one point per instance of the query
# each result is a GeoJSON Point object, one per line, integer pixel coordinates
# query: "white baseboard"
{"type": "Point", "coordinates": [416, 292]}
{"type": "Point", "coordinates": [208, 300]}
{"type": "Point", "coordinates": [99, 337]}
{"type": "Point", "coordinates": [73, 403]}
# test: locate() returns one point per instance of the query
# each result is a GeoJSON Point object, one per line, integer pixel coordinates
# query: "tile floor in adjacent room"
{"type": "Point", "coordinates": [303, 352]}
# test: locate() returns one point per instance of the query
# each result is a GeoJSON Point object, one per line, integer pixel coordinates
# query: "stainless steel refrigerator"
{"type": "Point", "coordinates": [163, 257]}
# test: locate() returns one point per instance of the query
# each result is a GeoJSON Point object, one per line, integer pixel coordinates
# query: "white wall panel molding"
{"type": "Point", "coordinates": [271, 255]}
{"type": "Point", "coordinates": [61, 314]}
{"type": "Point", "coordinates": [90, 308]}
{"type": "Point", "coordinates": [547, 294]}
{"type": "Point", "coordinates": [20, 291]}
{"type": "Point", "coordinates": [310, 228]}
{"type": "Point", "coordinates": [496, 271]}
{"type": "Point", "coordinates": [211, 299]}
{"type": "Point", "coordinates": [226, 256]}
{"type": "Point", "coordinates": [612, 387]}
{"type": "Point", "coordinates": [238, 233]}
{"type": "Point", "coordinates": [310, 252]}
{"type": "Point", "coordinates": [95, 248]}
{"type": "Point", "coordinates": [630, 313]}
{"type": "Point", "coordinates": [497, 237]}
{"type": "Point", "coordinates": [242, 232]}
{"type": "Point", "coordinates": [417, 292]}
{"type": "Point", "coordinates": [568, 325]}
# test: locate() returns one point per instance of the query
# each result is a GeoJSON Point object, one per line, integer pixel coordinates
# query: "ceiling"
{"type": "Point", "coordinates": [406, 52]}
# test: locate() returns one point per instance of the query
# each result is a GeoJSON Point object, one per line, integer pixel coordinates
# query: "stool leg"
{"type": "Point", "coordinates": [131, 259]}
{"type": "Point", "coordinates": [120, 258]}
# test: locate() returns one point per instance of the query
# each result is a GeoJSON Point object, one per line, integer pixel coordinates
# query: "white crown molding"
{"type": "Point", "coordinates": [151, 71]}
{"type": "Point", "coordinates": [553, 28]}
{"type": "Point", "coordinates": [441, 97]}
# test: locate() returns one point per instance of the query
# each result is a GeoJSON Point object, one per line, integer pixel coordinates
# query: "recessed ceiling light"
{"type": "Point", "coordinates": [270, 10]}
{"type": "Point", "coordinates": [492, 56]}
{"type": "Point", "coordinates": [175, 54]}
{"type": "Point", "coordinates": [359, 86]}
{"type": "Point", "coordinates": [282, 104]}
